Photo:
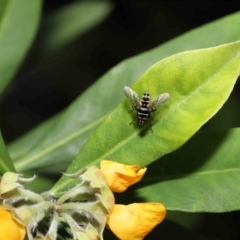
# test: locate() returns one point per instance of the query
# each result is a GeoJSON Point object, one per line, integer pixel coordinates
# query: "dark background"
{"type": "Point", "coordinates": [44, 85]}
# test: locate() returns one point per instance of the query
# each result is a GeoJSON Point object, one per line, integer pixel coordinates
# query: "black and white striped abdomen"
{"type": "Point", "coordinates": [143, 112]}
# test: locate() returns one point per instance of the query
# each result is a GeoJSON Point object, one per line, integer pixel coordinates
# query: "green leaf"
{"type": "Point", "coordinates": [199, 83]}
{"type": "Point", "coordinates": [61, 143]}
{"type": "Point", "coordinates": [201, 176]}
{"type": "Point", "coordinates": [33, 138]}
{"type": "Point", "coordinates": [68, 23]}
{"type": "Point", "coordinates": [18, 25]}
{"type": "Point", "coordinates": [6, 164]}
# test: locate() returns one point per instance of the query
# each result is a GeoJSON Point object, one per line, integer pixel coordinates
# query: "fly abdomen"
{"type": "Point", "coordinates": [143, 115]}
{"type": "Point", "coordinates": [143, 111]}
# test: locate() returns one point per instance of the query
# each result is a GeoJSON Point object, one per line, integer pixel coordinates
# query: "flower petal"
{"type": "Point", "coordinates": [119, 176]}
{"type": "Point", "coordinates": [136, 219]}
{"type": "Point", "coordinates": [10, 229]}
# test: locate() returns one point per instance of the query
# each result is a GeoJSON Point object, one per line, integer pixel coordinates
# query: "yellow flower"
{"type": "Point", "coordinates": [119, 176]}
{"type": "Point", "coordinates": [9, 228]}
{"type": "Point", "coordinates": [135, 221]}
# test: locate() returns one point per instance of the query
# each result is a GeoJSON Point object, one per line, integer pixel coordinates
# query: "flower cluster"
{"type": "Point", "coordinates": [136, 219]}
{"type": "Point", "coordinates": [86, 208]}
{"type": "Point", "coordinates": [83, 208]}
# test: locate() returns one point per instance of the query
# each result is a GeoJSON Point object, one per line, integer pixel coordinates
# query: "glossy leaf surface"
{"type": "Point", "coordinates": [18, 21]}
{"type": "Point", "coordinates": [75, 125]}
{"type": "Point", "coordinates": [199, 82]}
{"type": "Point", "coordinates": [203, 175]}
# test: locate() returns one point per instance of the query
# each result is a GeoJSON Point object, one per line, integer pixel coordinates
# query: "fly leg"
{"type": "Point", "coordinates": [133, 108]}
{"type": "Point", "coordinates": [134, 121]}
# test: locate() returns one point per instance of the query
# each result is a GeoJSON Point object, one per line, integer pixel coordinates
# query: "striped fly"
{"type": "Point", "coordinates": [144, 106]}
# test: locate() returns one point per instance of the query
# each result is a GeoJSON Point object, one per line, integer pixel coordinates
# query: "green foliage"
{"type": "Point", "coordinates": [16, 35]}
{"type": "Point", "coordinates": [19, 21]}
{"type": "Point", "coordinates": [196, 96]}
{"type": "Point", "coordinates": [201, 176]}
{"type": "Point", "coordinates": [59, 140]}
{"type": "Point", "coordinates": [192, 165]}
{"type": "Point", "coordinates": [6, 163]}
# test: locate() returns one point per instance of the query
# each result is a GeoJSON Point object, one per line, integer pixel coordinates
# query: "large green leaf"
{"type": "Point", "coordinates": [203, 175]}
{"type": "Point", "coordinates": [62, 142]}
{"type": "Point", "coordinates": [18, 25]}
{"type": "Point", "coordinates": [6, 163]}
{"type": "Point", "coordinates": [65, 25]}
{"type": "Point", "coordinates": [33, 138]}
{"type": "Point", "coordinates": [199, 83]}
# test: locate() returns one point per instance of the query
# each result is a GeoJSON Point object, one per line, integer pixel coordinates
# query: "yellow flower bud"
{"type": "Point", "coordinates": [119, 176]}
{"type": "Point", "coordinates": [10, 229]}
{"type": "Point", "coordinates": [135, 221]}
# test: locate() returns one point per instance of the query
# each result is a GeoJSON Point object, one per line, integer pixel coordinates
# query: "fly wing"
{"type": "Point", "coordinates": [157, 101]}
{"type": "Point", "coordinates": [132, 96]}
